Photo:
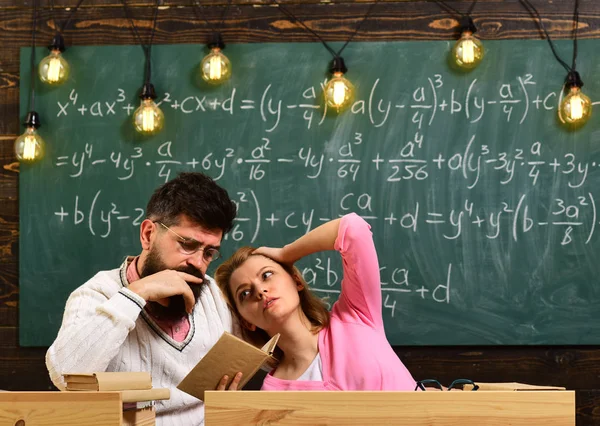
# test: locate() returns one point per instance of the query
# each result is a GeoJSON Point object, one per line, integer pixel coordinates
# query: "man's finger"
{"type": "Point", "coordinates": [188, 297]}
{"type": "Point", "coordinates": [190, 278]}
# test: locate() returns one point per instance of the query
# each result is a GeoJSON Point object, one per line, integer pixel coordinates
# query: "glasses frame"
{"type": "Point", "coordinates": [421, 384]}
{"type": "Point", "coordinates": [216, 253]}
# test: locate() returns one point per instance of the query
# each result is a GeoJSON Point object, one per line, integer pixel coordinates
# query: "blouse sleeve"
{"type": "Point", "coordinates": [361, 286]}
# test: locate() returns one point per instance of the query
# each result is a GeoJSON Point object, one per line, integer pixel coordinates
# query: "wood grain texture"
{"type": "Point", "coordinates": [61, 408]}
{"type": "Point", "coordinates": [58, 4]}
{"type": "Point", "coordinates": [249, 21]}
{"type": "Point", "coordinates": [498, 408]}
{"type": "Point", "coordinates": [144, 417]}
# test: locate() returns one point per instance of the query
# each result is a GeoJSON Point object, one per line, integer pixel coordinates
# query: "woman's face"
{"type": "Point", "coordinates": [265, 294]}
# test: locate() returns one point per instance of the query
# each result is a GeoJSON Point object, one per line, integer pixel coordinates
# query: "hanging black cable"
{"type": "Point", "coordinates": [148, 119]}
{"type": "Point", "coordinates": [532, 10]}
{"type": "Point", "coordinates": [29, 146]}
{"type": "Point", "coordinates": [466, 22]}
{"type": "Point", "coordinates": [339, 92]}
{"type": "Point", "coordinates": [146, 48]}
{"type": "Point", "coordinates": [198, 10]}
{"type": "Point", "coordinates": [215, 68]}
{"type": "Point", "coordinates": [336, 55]}
{"type": "Point", "coordinates": [33, 118]}
{"type": "Point", "coordinates": [576, 108]}
{"type": "Point", "coordinates": [66, 23]}
{"type": "Point", "coordinates": [575, 28]}
{"type": "Point", "coordinates": [294, 19]}
{"type": "Point", "coordinates": [453, 10]}
{"type": "Point", "coordinates": [58, 41]}
{"type": "Point", "coordinates": [32, 59]}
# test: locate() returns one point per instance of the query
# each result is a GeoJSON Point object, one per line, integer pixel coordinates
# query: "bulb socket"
{"type": "Point", "coordinates": [573, 80]}
{"type": "Point", "coordinates": [216, 40]}
{"type": "Point", "coordinates": [148, 91]}
{"type": "Point", "coordinates": [32, 120]}
{"type": "Point", "coordinates": [467, 24]}
{"type": "Point", "coordinates": [58, 43]}
{"type": "Point", "coordinates": [338, 65]}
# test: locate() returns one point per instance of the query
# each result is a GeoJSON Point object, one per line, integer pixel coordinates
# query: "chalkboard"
{"type": "Point", "coordinates": [483, 208]}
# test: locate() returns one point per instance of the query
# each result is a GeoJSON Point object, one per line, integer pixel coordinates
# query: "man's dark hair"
{"type": "Point", "coordinates": [195, 195]}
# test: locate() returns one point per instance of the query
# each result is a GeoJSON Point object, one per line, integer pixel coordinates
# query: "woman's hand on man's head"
{"type": "Point", "coordinates": [275, 253]}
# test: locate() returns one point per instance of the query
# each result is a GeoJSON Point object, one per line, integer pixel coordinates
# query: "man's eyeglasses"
{"type": "Point", "coordinates": [190, 246]}
{"type": "Point", "coordinates": [421, 384]}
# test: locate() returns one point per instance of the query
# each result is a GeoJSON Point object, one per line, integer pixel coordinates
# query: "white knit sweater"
{"type": "Point", "coordinates": [105, 328]}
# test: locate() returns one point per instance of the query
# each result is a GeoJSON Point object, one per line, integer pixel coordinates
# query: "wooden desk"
{"type": "Point", "coordinates": [68, 409]}
{"type": "Point", "coordinates": [494, 408]}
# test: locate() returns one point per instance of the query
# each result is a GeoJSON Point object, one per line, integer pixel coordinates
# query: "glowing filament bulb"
{"type": "Point", "coordinates": [339, 92]}
{"type": "Point", "coordinates": [54, 69]}
{"type": "Point", "coordinates": [29, 147]}
{"type": "Point", "coordinates": [468, 51]}
{"type": "Point", "coordinates": [148, 119]}
{"type": "Point", "coordinates": [215, 68]}
{"type": "Point", "coordinates": [576, 105]}
{"type": "Point", "coordinates": [575, 108]}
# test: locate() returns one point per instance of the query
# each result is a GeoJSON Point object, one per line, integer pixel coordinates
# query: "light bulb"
{"type": "Point", "coordinates": [468, 51]}
{"type": "Point", "coordinates": [54, 69]}
{"type": "Point", "coordinates": [148, 119]}
{"type": "Point", "coordinates": [215, 68]}
{"type": "Point", "coordinates": [29, 147]}
{"type": "Point", "coordinates": [575, 108]}
{"type": "Point", "coordinates": [339, 92]}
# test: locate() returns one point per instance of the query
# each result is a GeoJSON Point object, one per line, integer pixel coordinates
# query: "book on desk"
{"type": "Point", "coordinates": [137, 393]}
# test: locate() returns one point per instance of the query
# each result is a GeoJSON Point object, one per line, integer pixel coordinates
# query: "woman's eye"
{"type": "Point", "coordinates": [244, 294]}
{"type": "Point", "coordinates": [266, 274]}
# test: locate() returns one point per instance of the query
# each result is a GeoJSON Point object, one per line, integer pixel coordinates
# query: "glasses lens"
{"type": "Point", "coordinates": [211, 254]}
{"type": "Point", "coordinates": [459, 382]}
{"type": "Point", "coordinates": [190, 247]}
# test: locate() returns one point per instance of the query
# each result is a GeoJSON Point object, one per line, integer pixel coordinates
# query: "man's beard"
{"type": "Point", "coordinates": [176, 309]}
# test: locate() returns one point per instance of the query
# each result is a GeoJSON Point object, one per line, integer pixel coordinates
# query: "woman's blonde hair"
{"type": "Point", "coordinates": [312, 306]}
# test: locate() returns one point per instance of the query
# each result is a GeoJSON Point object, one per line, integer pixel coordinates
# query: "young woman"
{"type": "Point", "coordinates": [343, 350]}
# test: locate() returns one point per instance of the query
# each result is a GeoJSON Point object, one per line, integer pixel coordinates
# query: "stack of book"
{"type": "Point", "coordinates": [137, 393]}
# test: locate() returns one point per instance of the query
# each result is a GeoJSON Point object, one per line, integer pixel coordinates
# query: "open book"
{"type": "Point", "coordinates": [228, 356]}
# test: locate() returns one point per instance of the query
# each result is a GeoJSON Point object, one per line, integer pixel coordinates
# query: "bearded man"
{"type": "Point", "coordinates": [159, 312]}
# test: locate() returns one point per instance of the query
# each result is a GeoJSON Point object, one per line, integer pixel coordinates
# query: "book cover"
{"type": "Point", "coordinates": [228, 356]}
{"type": "Point", "coordinates": [108, 381]}
{"type": "Point", "coordinates": [137, 395]}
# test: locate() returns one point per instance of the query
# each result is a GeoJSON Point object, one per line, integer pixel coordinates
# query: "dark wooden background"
{"type": "Point", "coordinates": [250, 21]}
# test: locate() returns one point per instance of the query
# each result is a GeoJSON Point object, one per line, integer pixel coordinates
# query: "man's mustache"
{"type": "Point", "coordinates": [189, 269]}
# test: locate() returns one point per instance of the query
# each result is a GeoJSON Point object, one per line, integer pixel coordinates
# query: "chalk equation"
{"type": "Point", "coordinates": [349, 163]}
{"type": "Point", "coordinates": [516, 100]}
{"type": "Point", "coordinates": [515, 219]}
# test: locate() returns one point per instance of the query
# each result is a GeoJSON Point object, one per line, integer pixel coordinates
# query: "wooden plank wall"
{"type": "Point", "coordinates": [248, 21]}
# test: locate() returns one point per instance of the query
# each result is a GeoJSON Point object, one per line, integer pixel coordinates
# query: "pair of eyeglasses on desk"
{"type": "Point", "coordinates": [454, 385]}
